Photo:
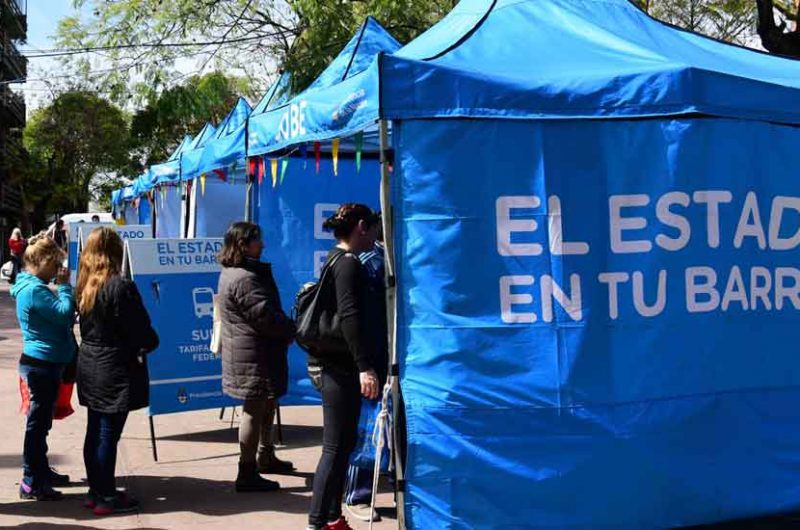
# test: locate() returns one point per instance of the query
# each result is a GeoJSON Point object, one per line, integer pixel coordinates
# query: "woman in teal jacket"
{"type": "Point", "coordinates": [46, 319]}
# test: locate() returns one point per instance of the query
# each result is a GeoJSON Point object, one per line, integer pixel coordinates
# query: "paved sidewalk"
{"type": "Point", "coordinates": [191, 485]}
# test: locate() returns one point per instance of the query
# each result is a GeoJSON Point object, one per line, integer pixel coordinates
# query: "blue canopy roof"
{"type": "Point", "coordinates": [278, 94]}
{"type": "Point", "coordinates": [228, 145]}
{"type": "Point", "coordinates": [337, 101]}
{"type": "Point", "coordinates": [587, 59]}
{"type": "Point", "coordinates": [170, 170]}
{"type": "Point", "coordinates": [190, 157]}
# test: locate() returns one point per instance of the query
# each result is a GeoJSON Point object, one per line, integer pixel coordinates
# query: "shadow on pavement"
{"type": "Point", "coordinates": [781, 522]}
{"type": "Point", "coordinates": [54, 526]}
{"type": "Point", "coordinates": [164, 495]}
{"type": "Point", "coordinates": [15, 460]}
{"type": "Point", "coordinates": [294, 436]}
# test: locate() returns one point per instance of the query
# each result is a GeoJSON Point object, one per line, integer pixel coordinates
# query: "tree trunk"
{"type": "Point", "coordinates": [774, 36]}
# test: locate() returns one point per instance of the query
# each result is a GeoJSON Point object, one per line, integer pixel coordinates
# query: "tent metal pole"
{"type": "Point", "coordinates": [391, 305]}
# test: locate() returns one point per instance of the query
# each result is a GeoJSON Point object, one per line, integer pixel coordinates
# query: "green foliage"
{"type": "Point", "coordinates": [145, 40]}
{"type": "Point", "coordinates": [182, 110]}
{"type": "Point", "coordinates": [728, 20]}
{"type": "Point", "coordinates": [76, 148]}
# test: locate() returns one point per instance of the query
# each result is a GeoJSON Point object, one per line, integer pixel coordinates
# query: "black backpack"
{"type": "Point", "coordinates": [318, 330]}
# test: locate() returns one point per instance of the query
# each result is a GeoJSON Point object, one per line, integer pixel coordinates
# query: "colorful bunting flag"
{"type": "Point", "coordinates": [203, 184]}
{"type": "Point", "coordinates": [304, 154]}
{"type": "Point", "coordinates": [221, 174]}
{"type": "Point", "coordinates": [359, 148]}
{"type": "Point", "coordinates": [274, 166]}
{"type": "Point", "coordinates": [284, 165]}
{"type": "Point", "coordinates": [251, 168]}
{"type": "Point", "coordinates": [260, 170]}
{"type": "Point", "coordinates": [316, 155]}
{"type": "Point", "coordinates": [335, 155]}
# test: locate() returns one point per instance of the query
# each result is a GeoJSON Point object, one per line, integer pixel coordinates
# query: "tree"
{"type": "Point", "coordinates": [727, 20]}
{"type": "Point", "coordinates": [76, 148]}
{"type": "Point", "coordinates": [181, 110]}
{"type": "Point", "coordinates": [140, 42]}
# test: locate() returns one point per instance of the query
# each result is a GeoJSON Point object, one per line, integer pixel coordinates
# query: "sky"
{"type": "Point", "coordinates": [43, 17]}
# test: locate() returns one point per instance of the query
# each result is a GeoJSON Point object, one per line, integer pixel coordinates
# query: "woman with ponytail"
{"type": "Point", "coordinates": [112, 371]}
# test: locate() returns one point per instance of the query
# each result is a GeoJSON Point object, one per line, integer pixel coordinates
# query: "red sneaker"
{"type": "Point", "coordinates": [340, 524]}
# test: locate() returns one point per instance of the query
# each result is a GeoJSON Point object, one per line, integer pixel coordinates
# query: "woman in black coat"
{"type": "Point", "coordinates": [255, 339]}
{"type": "Point", "coordinates": [112, 373]}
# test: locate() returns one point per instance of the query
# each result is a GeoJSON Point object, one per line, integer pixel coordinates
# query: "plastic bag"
{"type": "Point", "coordinates": [63, 407]}
{"type": "Point", "coordinates": [363, 455]}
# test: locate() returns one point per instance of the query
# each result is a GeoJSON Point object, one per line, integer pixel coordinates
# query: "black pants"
{"type": "Point", "coordinates": [341, 405]}
{"type": "Point", "coordinates": [43, 381]}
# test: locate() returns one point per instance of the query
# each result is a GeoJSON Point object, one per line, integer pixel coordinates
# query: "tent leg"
{"type": "Point", "coordinates": [233, 416]}
{"type": "Point", "coordinates": [391, 303]}
{"type": "Point", "coordinates": [153, 439]}
{"type": "Point", "coordinates": [280, 424]}
{"type": "Point", "coordinates": [221, 413]}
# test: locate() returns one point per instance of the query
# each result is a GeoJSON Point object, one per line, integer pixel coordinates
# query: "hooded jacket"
{"type": "Point", "coordinates": [46, 319]}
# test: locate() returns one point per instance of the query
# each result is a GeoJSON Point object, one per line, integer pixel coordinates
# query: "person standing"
{"type": "Point", "coordinates": [46, 319]}
{"type": "Point", "coordinates": [112, 372]}
{"type": "Point", "coordinates": [59, 235]}
{"type": "Point", "coordinates": [343, 374]}
{"type": "Point", "coordinates": [255, 340]}
{"type": "Point", "coordinates": [358, 485]}
{"type": "Point", "coordinates": [17, 244]}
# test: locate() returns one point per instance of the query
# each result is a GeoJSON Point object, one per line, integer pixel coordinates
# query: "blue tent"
{"type": "Point", "coordinates": [190, 157]}
{"type": "Point", "coordinates": [169, 171]}
{"type": "Point", "coordinates": [221, 197]}
{"type": "Point", "coordinates": [168, 200]}
{"type": "Point", "coordinates": [594, 234]}
{"type": "Point", "coordinates": [343, 98]}
{"type": "Point", "coordinates": [291, 208]}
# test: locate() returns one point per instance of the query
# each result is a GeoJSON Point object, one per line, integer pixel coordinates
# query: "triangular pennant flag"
{"type": "Point", "coordinates": [221, 174]}
{"type": "Point", "coordinates": [251, 168]}
{"type": "Point", "coordinates": [359, 148]}
{"type": "Point", "coordinates": [274, 166]}
{"type": "Point", "coordinates": [203, 184]}
{"type": "Point", "coordinates": [316, 155]}
{"type": "Point", "coordinates": [260, 169]}
{"type": "Point", "coordinates": [335, 155]}
{"type": "Point", "coordinates": [284, 165]}
{"type": "Point", "coordinates": [304, 154]}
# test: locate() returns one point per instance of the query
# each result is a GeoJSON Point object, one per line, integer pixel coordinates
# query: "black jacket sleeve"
{"type": "Point", "coordinates": [262, 311]}
{"type": "Point", "coordinates": [134, 322]}
{"type": "Point", "coordinates": [347, 276]}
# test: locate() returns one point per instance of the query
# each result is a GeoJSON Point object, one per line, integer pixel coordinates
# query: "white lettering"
{"type": "Point", "coordinates": [673, 220]}
{"type": "Point", "coordinates": [508, 300]}
{"type": "Point", "coordinates": [613, 279]}
{"type": "Point", "coordinates": [559, 247]}
{"type": "Point", "coordinates": [735, 290]}
{"type": "Point", "coordinates": [712, 200]}
{"type": "Point", "coordinates": [783, 291]}
{"type": "Point", "coordinates": [507, 226]}
{"type": "Point", "coordinates": [552, 291]}
{"type": "Point", "coordinates": [776, 242]}
{"type": "Point", "coordinates": [694, 289]}
{"type": "Point", "coordinates": [321, 212]}
{"type": "Point", "coordinates": [750, 223]}
{"type": "Point", "coordinates": [760, 292]}
{"type": "Point", "coordinates": [638, 295]}
{"type": "Point", "coordinates": [620, 224]}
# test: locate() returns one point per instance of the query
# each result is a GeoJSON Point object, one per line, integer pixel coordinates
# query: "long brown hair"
{"type": "Point", "coordinates": [100, 260]}
{"type": "Point", "coordinates": [238, 236]}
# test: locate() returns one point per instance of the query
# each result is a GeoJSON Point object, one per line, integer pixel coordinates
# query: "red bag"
{"type": "Point", "coordinates": [63, 407]}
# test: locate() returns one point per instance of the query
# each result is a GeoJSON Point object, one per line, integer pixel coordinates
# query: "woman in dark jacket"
{"type": "Point", "coordinates": [112, 372]}
{"type": "Point", "coordinates": [255, 338]}
{"type": "Point", "coordinates": [343, 375]}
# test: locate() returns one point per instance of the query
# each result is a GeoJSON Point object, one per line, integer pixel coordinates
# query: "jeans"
{"type": "Point", "coordinates": [255, 430]}
{"type": "Point", "coordinates": [103, 432]}
{"type": "Point", "coordinates": [43, 382]}
{"type": "Point", "coordinates": [341, 405]}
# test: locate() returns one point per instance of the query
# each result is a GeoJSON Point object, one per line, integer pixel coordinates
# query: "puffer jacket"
{"type": "Point", "coordinates": [116, 335]}
{"type": "Point", "coordinates": [256, 333]}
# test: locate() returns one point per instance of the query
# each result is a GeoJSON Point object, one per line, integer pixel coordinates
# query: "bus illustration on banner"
{"type": "Point", "coordinates": [203, 300]}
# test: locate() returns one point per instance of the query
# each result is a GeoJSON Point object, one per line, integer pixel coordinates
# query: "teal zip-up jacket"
{"type": "Point", "coordinates": [46, 319]}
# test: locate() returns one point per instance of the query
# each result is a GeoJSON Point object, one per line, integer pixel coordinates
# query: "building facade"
{"type": "Point", "coordinates": [13, 69]}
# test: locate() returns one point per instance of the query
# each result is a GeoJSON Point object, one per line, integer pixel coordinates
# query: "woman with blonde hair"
{"type": "Point", "coordinates": [112, 372]}
{"type": "Point", "coordinates": [46, 319]}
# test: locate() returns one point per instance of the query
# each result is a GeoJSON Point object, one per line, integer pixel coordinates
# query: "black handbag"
{"type": "Point", "coordinates": [319, 331]}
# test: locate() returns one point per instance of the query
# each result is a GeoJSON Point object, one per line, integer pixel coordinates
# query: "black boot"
{"type": "Point", "coordinates": [271, 464]}
{"type": "Point", "coordinates": [249, 480]}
